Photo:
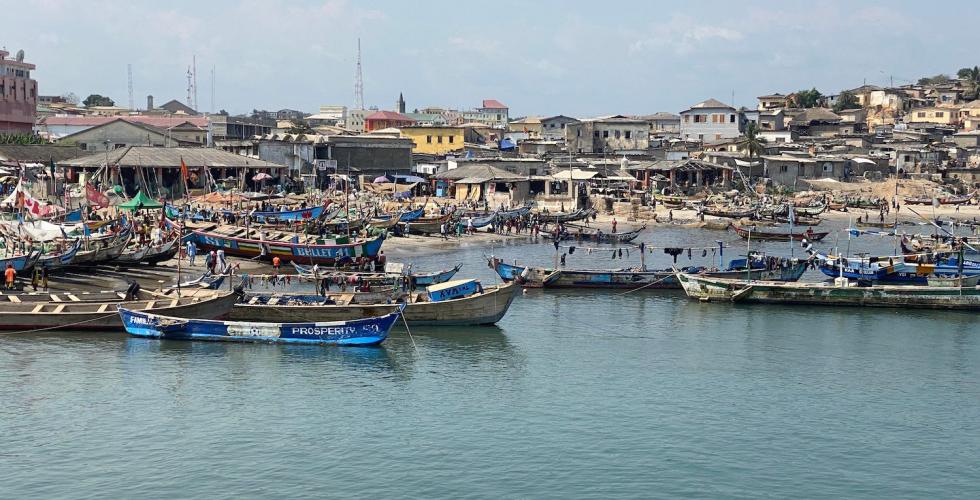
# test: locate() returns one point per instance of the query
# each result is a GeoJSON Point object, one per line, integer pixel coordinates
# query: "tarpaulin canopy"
{"type": "Point", "coordinates": [139, 202]}
{"type": "Point", "coordinates": [408, 178]}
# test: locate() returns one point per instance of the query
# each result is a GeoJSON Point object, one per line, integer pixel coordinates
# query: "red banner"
{"type": "Point", "coordinates": [95, 198]}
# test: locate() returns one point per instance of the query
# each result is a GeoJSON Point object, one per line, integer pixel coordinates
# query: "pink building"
{"type": "Point", "coordinates": [18, 94]}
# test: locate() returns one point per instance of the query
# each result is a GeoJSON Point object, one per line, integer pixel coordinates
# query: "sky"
{"type": "Point", "coordinates": [542, 57]}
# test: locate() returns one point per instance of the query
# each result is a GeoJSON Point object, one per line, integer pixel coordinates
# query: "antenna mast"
{"type": "Point", "coordinates": [212, 89]}
{"type": "Point", "coordinates": [190, 88]}
{"type": "Point", "coordinates": [194, 72]}
{"type": "Point", "coordinates": [358, 81]}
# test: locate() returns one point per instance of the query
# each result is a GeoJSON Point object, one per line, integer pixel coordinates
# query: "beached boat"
{"type": "Point", "coordinates": [149, 254]}
{"type": "Point", "coordinates": [287, 246]}
{"type": "Point", "coordinates": [729, 213]}
{"type": "Point", "coordinates": [563, 217]}
{"type": "Point", "coordinates": [61, 259]}
{"type": "Point", "coordinates": [894, 270]}
{"type": "Point", "coordinates": [746, 231]}
{"type": "Point", "coordinates": [428, 225]}
{"type": "Point", "coordinates": [382, 223]}
{"type": "Point", "coordinates": [484, 306]}
{"type": "Point", "coordinates": [97, 311]}
{"type": "Point", "coordinates": [875, 224]}
{"type": "Point", "coordinates": [299, 215]}
{"type": "Point", "coordinates": [595, 236]}
{"type": "Point", "coordinates": [95, 251]}
{"type": "Point", "coordinates": [822, 294]}
{"type": "Point", "coordinates": [22, 263]}
{"type": "Point", "coordinates": [513, 213]}
{"type": "Point", "coordinates": [362, 332]}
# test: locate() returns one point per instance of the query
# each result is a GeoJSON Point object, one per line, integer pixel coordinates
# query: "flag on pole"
{"type": "Point", "coordinates": [183, 168]}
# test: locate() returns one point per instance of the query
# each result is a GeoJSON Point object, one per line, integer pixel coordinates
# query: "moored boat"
{"type": "Point", "coordinates": [486, 305]}
{"type": "Point", "coordinates": [708, 289]}
{"type": "Point", "coordinates": [366, 332]}
{"type": "Point", "coordinates": [749, 231]}
{"type": "Point", "coordinates": [97, 311]}
{"type": "Point", "coordinates": [287, 246]}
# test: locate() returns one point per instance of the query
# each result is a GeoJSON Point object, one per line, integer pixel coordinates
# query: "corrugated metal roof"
{"type": "Point", "coordinates": [147, 156]}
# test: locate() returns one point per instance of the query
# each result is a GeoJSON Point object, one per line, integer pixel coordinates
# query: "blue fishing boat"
{"type": "Point", "coordinates": [362, 332]}
{"type": "Point", "coordinates": [427, 279]}
{"type": "Point", "coordinates": [482, 220]}
{"type": "Point", "coordinates": [60, 259]}
{"type": "Point", "coordinates": [322, 253]}
{"type": "Point", "coordinates": [417, 280]}
{"type": "Point", "coordinates": [74, 216]}
{"type": "Point", "coordinates": [511, 214]}
{"type": "Point", "coordinates": [411, 216]}
{"type": "Point", "coordinates": [302, 214]}
{"type": "Point", "coordinates": [453, 290]}
{"type": "Point", "coordinates": [883, 271]}
{"type": "Point", "coordinates": [21, 263]}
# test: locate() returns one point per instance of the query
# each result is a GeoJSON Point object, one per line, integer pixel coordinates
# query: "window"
{"type": "Point", "coordinates": [717, 137]}
{"type": "Point", "coordinates": [731, 118]}
{"type": "Point", "coordinates": [629, 134]}
{"type": "Point", "coordinates": [700, 137]}
{"type": "Point", "coordinates": [940, 114]}
{"type": "Point", "coordinates": [687, 118]}
{"type": "Point", "coordinates": [595, 134]}
{"type": "Point", "coordinates": [451, 139]}
{"type": "Point", "coordinates": [783, 168]}
{"type": "Point", "coordinates": [921, 114]}
{"type": "Point", "coordinates": [605, 134]}
{"type": "Point", "coordinates": [617, 134]}
{"type": "Point", "coordinates": [439, 139]}
{"type": "Point", "coordinates": [428, 139]}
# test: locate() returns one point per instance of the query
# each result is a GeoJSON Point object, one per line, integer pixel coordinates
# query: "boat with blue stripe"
{"type": "Point", "coordinates": [63, 259]}
{"type": "Point", "coordinates": [362, 332]}
{"type": "Point", "coordinates": [302, 214]}
{"type": "Point", "coordinates": [21, 263]}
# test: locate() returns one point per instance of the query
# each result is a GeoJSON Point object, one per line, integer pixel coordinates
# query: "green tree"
{"type": "Point", "coordinates": [963, 72]}
{"type": "Point", "coordinates": [98, 100]}
{"type": "Point", "coordinates": [21, 139]}
{"type": "Point", "coordinates": [808, 98]}
{"type": "Point", "coordinates": [845, 100]}
{"type": "Point", "coordinates": [935, 80]}
{"type": "Point", "coordinates": [972, 77]}
{"type": "Point", "coordinates": [751, 141]}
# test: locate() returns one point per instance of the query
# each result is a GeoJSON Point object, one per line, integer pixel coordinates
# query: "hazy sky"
{"type": "Point", "coordinates": [580, 58]}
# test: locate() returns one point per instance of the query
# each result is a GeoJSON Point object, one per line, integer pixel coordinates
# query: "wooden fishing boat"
{"type": "Point", "coordinates": [955, 200]}
{"type": "Point", "coordinates": [595, 236]}
{"type": "Point", "coordinates": [61, 259]}
{"type": "Point", "coordinates": [745, 232]}
{"type": "Point", "coordinates": [428, 225]}
{"type": "Point", "coordinates": [514, 213]}
{"type": "Point", "coordinates": [22, 263]}
{"type": "Point", "coordinates": [485, 306]}
{"type": "Point", "coordinates": [362, 332]}
{"type": "Point", "coordinates": [563, 217]}
{"type": "Point", "coordinates": [382, 223]}
{"type": "Point", "coordinates": [379, 295]}
{"type": "Point", "coordinates": [299, 215]}
{"type": "Point", "coordinates": [822, 294]}
{"type": "Point", "coordinates": [837, 205]}
{"type": "Point", "coordinates": [415, 279]}
{"type": "Point", "coordinates": [102, 250]}
{"type": "Point", "coordinates": [811, 210]}
{"type": "Point", "coordinates": [910, 200]}
{"type": "Point", "coordinates": [729, 213]}
{"type": "Point", "coordinates": [287, 246]}
{"type": "Point", "coordinates": [954, 281]}
{"type": "Point", "coordinates": [630, 279]}
{"type": "Point", "coordinates": [875, 224]}
{"type": "Point", "coordinates": [478, 221]}
{"type": "Point", "coordinates": [149, 254]}
{"type": "Point", "coordinates": [97, 311]}
{"type": "Point", "coordinates": [525, 276]}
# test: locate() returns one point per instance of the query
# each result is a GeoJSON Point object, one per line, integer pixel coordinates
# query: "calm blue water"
{"type": "Point", "coordinates": [575, 395]}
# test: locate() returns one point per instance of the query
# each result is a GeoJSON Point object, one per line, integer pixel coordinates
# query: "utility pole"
{"type": "Point", "coordinates": [194, 63]}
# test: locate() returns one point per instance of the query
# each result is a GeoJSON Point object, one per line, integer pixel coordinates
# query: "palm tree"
{"type": "Point", "coordinates": [973, 79]}
{"type": "Point", "coordinates": [751, 141]}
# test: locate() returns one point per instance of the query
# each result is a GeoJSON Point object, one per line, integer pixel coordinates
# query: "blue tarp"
{"type": "Point", "coordinates": [507, 144]}
{"type": "Point", "coordinates": [408, 178]}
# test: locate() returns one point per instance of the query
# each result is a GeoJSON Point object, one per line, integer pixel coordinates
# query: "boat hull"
{"type": "Point", "coordinates": [484, 308]}
{"type": "Point", "coordinates": [362, 332]}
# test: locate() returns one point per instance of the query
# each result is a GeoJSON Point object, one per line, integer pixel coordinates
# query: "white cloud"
{"type": "Point", "coordinates": [684, 35]}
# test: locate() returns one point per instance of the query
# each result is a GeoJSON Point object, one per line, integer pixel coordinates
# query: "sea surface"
{"type": "Point", "coordinates": [575, 394]}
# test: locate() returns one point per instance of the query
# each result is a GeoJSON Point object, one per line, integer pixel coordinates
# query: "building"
{"type": "Point", "coordinates": [237, 128]}
{"type": "Point", "coordinates": [710, 120]}
{"type": "Point", "coordinates": [773, 101]}
{"type": "Point", "coordinates": [614, 134]}
{"type": "Point", "coordinates": [174, 106]}
{"type": "Point", "coordinates": [773, 120]}
{"type": "Point", "coordinates": [496, 113]}
{"type": "Point", "coordinates": [936, 115]}
{"type": "Point", "coordinates": [433, 140]}
{"type": "Point", "coordinates": [328, 116]}
{"type": "Point", "coordinates": [18, 94]}
{"type": "Point", "coordinates": [355, 121]}
{"type": "Point", "coordinates": [157, 170]}
{"type": "Point", "coordinates": [120, 133]}
{"type": "Point", "coordinates": [969, 115]}
{"type": "Point", "coordinates": [820, 122]}
{"type": "Point", "coordinates": [386, 119]}
{"type": "Point", "coordinates": [319, 155]}
{"type": "Point", "coordinates": [428, 119]}
{"type": "Point", "coordinates": [786, 170]}
{"type": "Point", "coordinates": [553, 127]}
{"type": "Point", "coordinates": [481, 182]}
{"type": "Point", "coordinates": [530, 125]}
{"type": "Point", "coordinates": [662, 122]}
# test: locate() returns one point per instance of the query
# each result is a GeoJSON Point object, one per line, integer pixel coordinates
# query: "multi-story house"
{"type": "Point", "coordinates": [711, 120]}
{"type": "Point", "coordinates": [18, 94]}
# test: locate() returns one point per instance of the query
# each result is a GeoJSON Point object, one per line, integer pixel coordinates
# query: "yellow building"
{"type": "Point", "coordinates": [970, 115]}
{"type": "Point", "coordinates": [530, 125]}
{"type": "Point", "coordinates": [940, 116]}
{"type": "Point", "coordinates": [434, 140]}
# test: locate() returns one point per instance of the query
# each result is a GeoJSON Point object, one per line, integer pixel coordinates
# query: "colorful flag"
{"type": "Point", "coordinates": [183, 168]}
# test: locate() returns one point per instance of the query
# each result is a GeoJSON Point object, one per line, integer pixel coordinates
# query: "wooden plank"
{"type": "Point", "coordinates": [57, 310]}
{"type": "Point", "coordinates": [14, 299]}
{"type": "Point", "coordinates": [103, 308]}
{"type": "Point", "coordinates": [74, 298]}
{"type": "Point", "coordinates": [38, 308]}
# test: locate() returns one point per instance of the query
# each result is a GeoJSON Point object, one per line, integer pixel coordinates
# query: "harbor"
{"type": "Point", "coordinates": [332, 249]}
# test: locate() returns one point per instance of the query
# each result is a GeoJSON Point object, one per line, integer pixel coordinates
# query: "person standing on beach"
{"type": "Point", "coordinates": [191, 252]}
{"type": "Point", "coordinates": [276, 263]}
{"type": "Point", "coordinates": [9, 276]}
{"type": "Point", "coordinates": [614, 225]}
